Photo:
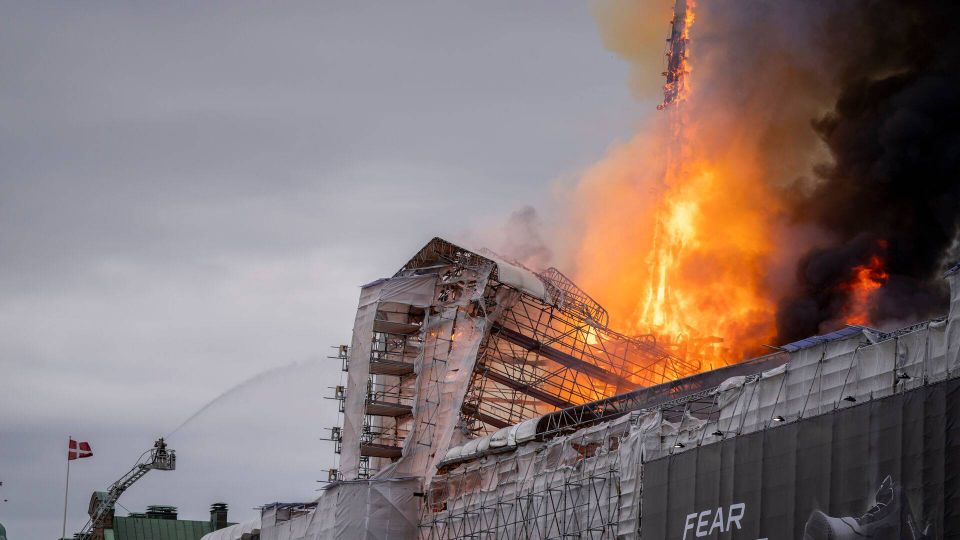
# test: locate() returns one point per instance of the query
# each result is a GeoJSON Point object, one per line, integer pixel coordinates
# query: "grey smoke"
{"type": "Point", "coordinates": [523, 239]}
{"type": "Point", "coordinates": [892, 186]}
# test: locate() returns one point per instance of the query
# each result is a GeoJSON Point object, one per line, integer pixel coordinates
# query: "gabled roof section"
{"type": "Point", "coordinates": [439, 252]}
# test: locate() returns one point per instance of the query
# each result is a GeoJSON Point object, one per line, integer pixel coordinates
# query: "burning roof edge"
{"type": "Point", "coordinates": [843, 333]}
{"type": "Point", "coordinates": [581, 416]}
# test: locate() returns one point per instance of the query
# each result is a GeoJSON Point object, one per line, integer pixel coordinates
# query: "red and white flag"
{"type": "Point", "coordinates": [78, 449]}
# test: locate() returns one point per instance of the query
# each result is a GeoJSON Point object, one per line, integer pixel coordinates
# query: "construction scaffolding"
{"type": "Point", "coordinates": [568, 489]}
{"type": "Point", "coordinates": [548, 345]}
{"type": "Point", "coordinates": [459, 344]}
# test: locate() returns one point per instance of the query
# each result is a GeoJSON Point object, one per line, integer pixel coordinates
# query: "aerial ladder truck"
{"type": "Point", "coordinates": [102, 503]}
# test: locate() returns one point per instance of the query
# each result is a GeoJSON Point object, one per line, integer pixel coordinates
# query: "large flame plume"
{"type": "Point", "coordinates": [688, 241]}
{"type": "Point", "coordinates": [804, 136]}
{"type": "Point", "coordinates": [679, 226]}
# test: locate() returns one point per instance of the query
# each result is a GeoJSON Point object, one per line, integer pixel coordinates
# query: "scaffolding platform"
{"type": "Point", "coordinates": [390, 367]}
{"type": "Point", "coordinates": [380, 450]}
{"type": "Point", "coordinates": [384, 408]}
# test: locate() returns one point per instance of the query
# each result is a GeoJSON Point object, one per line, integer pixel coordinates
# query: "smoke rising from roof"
{"type": "Point", "coordinates": [892, 187]}
{"type": "Point", "coordinates": [523, 241]}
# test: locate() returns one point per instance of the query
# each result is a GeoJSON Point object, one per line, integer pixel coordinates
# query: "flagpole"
{"type": "Point", "coordinates": [66, 490]}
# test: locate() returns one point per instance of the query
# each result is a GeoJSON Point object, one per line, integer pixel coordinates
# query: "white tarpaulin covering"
{"type": "Point", "coordinates": [358, 510]}
{"type": "Point", "coordinates": [521, 279]}
{"type": "Point", "coordinates": [416, 291]}
{"type": "Point", "coordinates": [241, 531]}
{"type": "Point", "coordinates": [451, 341]}
{"type": "Point", "coordinates": [358, 375]}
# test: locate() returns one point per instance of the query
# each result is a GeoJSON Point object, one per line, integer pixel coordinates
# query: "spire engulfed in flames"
{"type": "Point", "coordinates": [678, 66]}
{"type": "Point", "coordinates": [684, 207]}
{"type": "Point", "coordinates": [675, 228]}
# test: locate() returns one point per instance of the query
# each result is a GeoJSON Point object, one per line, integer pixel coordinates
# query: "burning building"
{"type": "Point", "coordinates": [485, 400]}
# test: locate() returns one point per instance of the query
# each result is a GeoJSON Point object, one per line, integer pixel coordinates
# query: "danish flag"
{"type": "Point", "coordinates": [78, 449]}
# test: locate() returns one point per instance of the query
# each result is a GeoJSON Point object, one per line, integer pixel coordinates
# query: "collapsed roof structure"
{"type": "Point", "coordinates": [485, 400]}
{"type": "Point", "coordinates": [460, 344]}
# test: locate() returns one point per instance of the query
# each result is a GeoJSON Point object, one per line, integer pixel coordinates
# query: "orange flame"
{"type": "Point", "coordinates": [866, 280]}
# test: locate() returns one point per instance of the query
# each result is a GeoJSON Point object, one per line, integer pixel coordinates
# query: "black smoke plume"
{"type": "Point", "coordinates": [893, 187]}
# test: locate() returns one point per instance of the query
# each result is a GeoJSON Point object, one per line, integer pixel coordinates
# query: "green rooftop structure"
{"type": "Point", "coordinates": [143, 528]}
{"type": "Point", "coordinates": [161, 523]}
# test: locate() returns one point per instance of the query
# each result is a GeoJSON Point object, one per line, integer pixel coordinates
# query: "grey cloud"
{"type": "Point", "coordinates": [191, 194]}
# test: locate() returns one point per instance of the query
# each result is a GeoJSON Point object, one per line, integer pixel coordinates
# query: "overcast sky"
{"type": "Point", "coordinates": [191, 195]}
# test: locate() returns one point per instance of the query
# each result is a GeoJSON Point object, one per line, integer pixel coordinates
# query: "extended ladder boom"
{"type": "Point", "coordinates": [102, 505]}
